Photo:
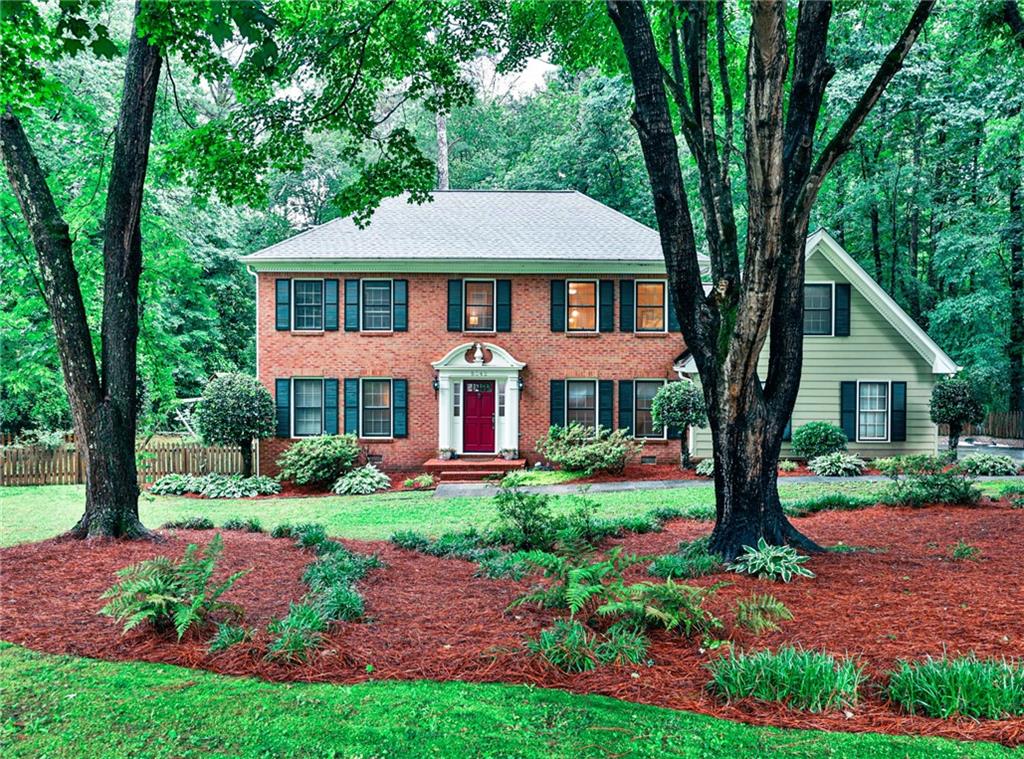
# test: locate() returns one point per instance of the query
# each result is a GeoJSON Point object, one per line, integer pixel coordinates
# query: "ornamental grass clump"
{"type": "Point", "coordinates": [771, 562]}
{"type": "Point", "coordinates": [961, 687]}
{"type": "Point", "coordinates": [692, 559]}
{"type": "Point", "coordinates": [808, 680]}
{"type": "Point", "coordinates": [827, 502]}
{"type": "Point", "coordinates": [248, 524]}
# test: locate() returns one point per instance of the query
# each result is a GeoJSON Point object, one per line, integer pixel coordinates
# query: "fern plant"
{"type": "Point", "coordinates": [169, 594]}
{"type": "Point", "coordinates": [774, 562]}
{"type": "Point", "coordinates": [671, 605]}
{"type": "Point", "coordinates": [576, 584]}
{"type": "Point", "coordinates": [761, 612]}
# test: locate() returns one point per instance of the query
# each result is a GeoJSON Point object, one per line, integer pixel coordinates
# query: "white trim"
{"type": "Point", "coordinates": [362, 303]}
{"type": "Point", "coordinates": [391, 408]}
{"type": "Point", "coordinates": [294, 304]}
{"type": "Point", "coordinates": [597, 306]}
{"type": "Point", "coordinates": [597, 400]}
{"type": "Point", "coordinates": [937, 359]}
{"type": "Point", "coordinates": [494, 305]}
{"type": "Point", "coordinates": [832, 309]}
{"type": "Point", "coordinates": [500, 266]}
{"type": "Point", "coordinates": [664, 306]}
{"type": "Point", "coordinates": [888, 412]}
{"type": "Point", "coordinates": [291, 406]}
{"type": "Point", "coordinates": [256, 279]}
{"type": "Point", "coordinates": [664, 429]}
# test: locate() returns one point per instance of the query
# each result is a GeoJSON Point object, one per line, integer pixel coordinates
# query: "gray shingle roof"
{"type": "Point", "coordinates": [479, 224]}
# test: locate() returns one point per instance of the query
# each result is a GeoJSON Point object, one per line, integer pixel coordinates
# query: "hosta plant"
{"type": "Point", "coordinates": [838, 464]}
{"type": "Point", "coordinates": [171, 594]}
{"type": "Point", "coordinates": [772, 562]}
{"type": "Point", "coordinates": [362, 481]}
{"type": "Point", "coordinates": [706, 467]}
{"type": "Point", "coordinates": [989, 464]}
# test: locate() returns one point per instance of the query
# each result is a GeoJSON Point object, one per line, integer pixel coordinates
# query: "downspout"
{"type": "Point", "coordinates": [248, 268]}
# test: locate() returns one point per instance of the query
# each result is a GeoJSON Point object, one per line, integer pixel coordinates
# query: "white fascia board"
{"type": "Point", "coordinates": [460, 265]}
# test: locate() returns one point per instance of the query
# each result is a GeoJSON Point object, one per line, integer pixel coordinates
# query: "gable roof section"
{"type": "Point", "coordinates": [479, 230]}
{"type": "Point", "coordinates": [822, 242]}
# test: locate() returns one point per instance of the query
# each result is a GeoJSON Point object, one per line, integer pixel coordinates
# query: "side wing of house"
{"type": "Point", "coordinates": [875, 378]}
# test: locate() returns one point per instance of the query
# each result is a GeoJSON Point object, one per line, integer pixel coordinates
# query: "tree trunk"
{"type": "Point", "coordinates": [246, 446]}
{"type": "Point", "coordinates": [103, 404]}
{"type": "Point", "coordinates": [954, 438]}
{"type": "Point", "coordinates": [442, 151]}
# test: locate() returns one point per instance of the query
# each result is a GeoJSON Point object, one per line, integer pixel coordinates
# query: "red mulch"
{"type": "Point", "coordinates": [674, 472]}
{"type": "Point", "coordinates": [431, 618]}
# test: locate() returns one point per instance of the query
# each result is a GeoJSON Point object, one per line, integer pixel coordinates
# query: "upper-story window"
{"type": "Point", "coordinates": [581, 306]}
{"type": "Point", "coordinates": [581, 403]}
{"type": "Point", "coordinates": [479, 315]}
{"type": "Point", "coordinates": [650, 306]}
{"type": "Point", "coordinates": [643, 420]}
{"type": "Point", "coordinates": [818, 309]}
{"type": "Point", "coordinates": [308, 299]}
{"type": "Point", "coordinates": [308, 407]}
{"type": "Point", "coordinates": [377, 312]}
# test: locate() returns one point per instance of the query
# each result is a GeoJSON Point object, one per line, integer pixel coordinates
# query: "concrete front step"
{"type": "Point", "coordinates": [487, 464]}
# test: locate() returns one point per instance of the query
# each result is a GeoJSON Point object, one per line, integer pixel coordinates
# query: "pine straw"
{"type": "Point", "coordinates": [432, 619]}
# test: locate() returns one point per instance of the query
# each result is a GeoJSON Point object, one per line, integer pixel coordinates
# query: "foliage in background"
{"type": "Point", "coordinates": [319, 460]}
{"type": "Point", "coordinates": [921, 480]}
{"type": "Point", "coordinates": [987, 464]}
{"type": "Point", "coordinates": [580, 449]}
{"type": "Point", "coordinates": [818, 439]}
{"type": "Point", "coordinates": [955, 402]}
{"type": "Point", "coordinates": [680, 405]}
{"type": "Point", "coordinates": [214, 485]}
{"type": "Point", "coordinates": [235, 410]}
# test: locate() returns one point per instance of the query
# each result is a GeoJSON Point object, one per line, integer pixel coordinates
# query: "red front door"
{"type": "Point", "coordinates": [478, 417]}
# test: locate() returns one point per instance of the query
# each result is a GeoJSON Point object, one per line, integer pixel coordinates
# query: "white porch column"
{"type": "Point", "coordinates": [444, 413]}
{"type": "Point", "coordinates": [511, 427]}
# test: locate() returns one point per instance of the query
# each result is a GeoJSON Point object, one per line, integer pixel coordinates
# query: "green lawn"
{"type": "Point", "coordinates": [60, 706]}
{"type": "Point", "coordinates": [38, 512]}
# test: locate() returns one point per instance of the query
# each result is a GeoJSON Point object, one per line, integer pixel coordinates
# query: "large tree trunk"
{"type": "Point", "coordinates": [103, 403]}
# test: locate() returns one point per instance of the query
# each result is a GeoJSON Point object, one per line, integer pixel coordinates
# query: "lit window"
{"type": "Point", "coordinates": [873, 411]}
{"type": "Point", "coordinates": [817, 309]}
{"type": "Point", "coordinates": [376, 410]}
{"type": "Point", "coordinates": [643, 422]}
{"type": "Point", "coordinates": [582, 306]}
{"type": "Point", "coordinates": [376, 305]}
{"type": "Point", "coordinates": [650, 307]}
{"type": "Point", "coordinates": [479, 307]}
{"type": "Point", "coordinates": [308, 407]}
{"type": "Point", "coordinates": [309, 304]}
{"type": "Point", "coordinates": [581, 403]}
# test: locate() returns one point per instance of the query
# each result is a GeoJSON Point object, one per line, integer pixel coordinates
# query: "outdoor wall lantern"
{"type": "Point", "coordinates": [437, 381]}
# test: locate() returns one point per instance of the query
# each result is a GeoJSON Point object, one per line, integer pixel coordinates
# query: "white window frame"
{"type": "Point", "coordinates": [294, 305]}
{"type": "Point", "coordinates": [664, 429]}
{"type": "Point", "coordinates": [494, 306]}
{"type": "Point", "coordinates": [362, 303]}
{"type": "Point", "coordinates": [291, 402]}
{"type": "Point", "coordinates": [664, 306]}
{"type": "Point", "coordinates": [391, 408]}
{"type": "Point", "coordinates": [597, 400]}
{"type": "Point", "coordinates": [457, 398]}
{"type": "Point", "coordinates": [499, 400]}
{"type": "Point", "coordinates": [597, 306]}
{"type": "Point", "coordinates": [888, 411]}
{"type": "Point", "coordinates": [832, 309]}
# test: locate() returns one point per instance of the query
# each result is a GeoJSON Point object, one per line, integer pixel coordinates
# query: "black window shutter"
{"type": "Point", "coordinates": [400, 399]}
{"type": "Point", "coordinates": [330, 304]}
{"type": "Point", "coordinates": [626, 306]}
{"type": "Point", "coordinates": [503, 320]}
{"type": "Point", "coordinates": [673, 320]}
{"type": "Point", "coordinates": [400, 304]}
{"type": "Point", "coordinates": [351, 406]}
{"type": "Point", "coordinates": [898, 423]}
{"type": "Point", "coordinates": [283, 304]}
{"type": "Point", "coordinates": [455, 305]}
{"type": "Point", "coordinates": [330, 407]}
{"type": "Point", "coordinates": [607, 319]}
{"type": "Point", "coordinates": [283, 404]}
{"type": "Point", "coordinates": [787, 433]}
{"type": "Point", "coordinates": [605, 400]}
{"type": "Point", "coordinates": [626, 405]}
{"type": "Point", "coordinates": [557, 403]}
{"type": "Point", "coordinates": [558, 305]}
{"type": "Point", "coordinates": [848, 409]}
{"type": "Point", "coordinates": [351, 305]}
{"type": "Point", "coordinates": [842, 309]}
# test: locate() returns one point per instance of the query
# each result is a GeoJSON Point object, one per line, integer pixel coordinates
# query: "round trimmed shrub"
{"type": "Point", "coordinates": [318, 460]}
{"type": "Point", "coordinates": [955, 402]}
{"type": "Point", "coordinates": [235, 410]}
{"type": "Point", "coordinates": [818, 439]}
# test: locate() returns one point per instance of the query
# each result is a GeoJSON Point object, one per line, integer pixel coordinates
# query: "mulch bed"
{"type": "Point", "coordinates": [432, 619]}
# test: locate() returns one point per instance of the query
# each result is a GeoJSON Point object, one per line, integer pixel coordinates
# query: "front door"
{"type": "Point", "coordinates": [478, 417]}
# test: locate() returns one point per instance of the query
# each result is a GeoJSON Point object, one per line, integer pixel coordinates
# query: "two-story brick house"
{"type": "Point", "coordinates": [476, 321]}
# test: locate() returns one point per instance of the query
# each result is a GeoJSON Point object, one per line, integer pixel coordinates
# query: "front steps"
{"type": "Point", "coordinates": [471, 468]}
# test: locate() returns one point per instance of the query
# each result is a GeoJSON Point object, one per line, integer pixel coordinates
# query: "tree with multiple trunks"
{"type": "Point", "coordinates": [285, 72]}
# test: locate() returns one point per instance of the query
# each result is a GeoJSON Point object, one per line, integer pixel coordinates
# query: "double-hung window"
{"type": "Point", "coordinates": [376, 411]}
{"type": "Point", "coordinates": [377, 305]}
{"type": "Point", "coordinates": [308, 416]}
{"type": "Point", "coordinates": [309, 304]}
{"type": "Point", "coordinates": [650, 306]}
{"type": "Point", "coordinates": [581, 306]}
{"type": "Point", "coordinates": [643, 421]}
{"type": "Point", "coordinates": [479, 316]}
{"type": "Point", "coordinates": [873, 411]}
{"type": "Point", "coordinates": [818, 309]}
{"type": "Point", "coordinates": [581, 403]}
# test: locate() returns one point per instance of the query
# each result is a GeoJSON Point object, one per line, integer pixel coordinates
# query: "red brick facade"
{"type": "Point", "coordinates": [548, 355]}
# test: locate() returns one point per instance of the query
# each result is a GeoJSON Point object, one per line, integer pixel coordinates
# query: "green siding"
{"type": "Point", "coordinates": [873, 351]}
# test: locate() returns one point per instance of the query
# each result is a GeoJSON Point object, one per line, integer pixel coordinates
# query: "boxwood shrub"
{"type": "Point", "coordinates": [818, 439]}
{"type": "Point", "coordinates": [319, 460]}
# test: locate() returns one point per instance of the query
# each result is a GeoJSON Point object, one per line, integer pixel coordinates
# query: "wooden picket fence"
{"type": "Point", "coordinates": [35, 465]}
{"type": "Point", "coordinates": [1005, 425]}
